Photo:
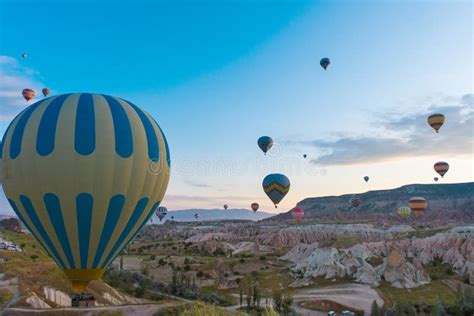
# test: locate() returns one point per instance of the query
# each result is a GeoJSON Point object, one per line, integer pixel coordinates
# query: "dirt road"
{"type": "Point", "coordinates": [357, 296]}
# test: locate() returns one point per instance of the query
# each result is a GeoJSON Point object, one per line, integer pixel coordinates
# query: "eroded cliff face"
{"type": "Point", "coordinates": [400, 262]}
{"type": "Point", "coordinates": [291, 236]}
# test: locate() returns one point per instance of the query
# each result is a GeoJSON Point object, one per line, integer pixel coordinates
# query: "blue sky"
{"type": "Point", "coordinates": [218, 74]}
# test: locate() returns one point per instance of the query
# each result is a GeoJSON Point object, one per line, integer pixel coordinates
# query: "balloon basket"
{"type": "Point", "coordinates": [83, 300]}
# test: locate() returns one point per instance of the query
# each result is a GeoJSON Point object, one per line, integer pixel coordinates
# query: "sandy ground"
{"type": "Point", "coordinates": [358, 296]}
{"type": "Point", "coordinates": [139, 310]}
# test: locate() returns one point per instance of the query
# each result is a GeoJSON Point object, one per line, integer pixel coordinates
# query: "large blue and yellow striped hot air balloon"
{"type": "Point", "coordinates": [276, 186]}
{"type": "Point", "coordinates": [84, 172]}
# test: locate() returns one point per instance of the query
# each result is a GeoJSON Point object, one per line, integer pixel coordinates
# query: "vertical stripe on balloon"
{"type": "Point", "coordinates": [150, 214]}
{"type": "Point", "coordinates": [116, 204]}
{"type": "Point", "coordinates": [84, 134]}
{"type": "Point", "coordinates": [22, 219]}
{"type": "Point", "coordinates": [84, 207]}
{"type": "Point", "coordinates": [153, 147]}
{"type": "Point", "coordinates": [17, 137]}
{"type": "Point", "coordinates": [47, 129]}
{"type": "Point", "coordinates": [53, 206]}
{"type": "Point", "coordinates": [122, 128]}
{"type": "Point", "coordinates": [137, 213]}
{"type": "Point", "coordinates": [31, 212]}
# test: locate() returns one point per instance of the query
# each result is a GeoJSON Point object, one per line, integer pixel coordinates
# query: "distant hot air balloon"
{"type": "Point", "coordinates": [45, 91]}
{"type": "Point", "coordinates": [28, 94]}
{"type": "Point", "coordinates": [297, 213]}
{"type": "Point", "coordinates": [441, 168]}
{"type": "Point", "coordinates": [418, 205]}
{"type": "Point", "coordinates": [404, 211]}
{"type": "Point", "coordinates": [436, 179]}
{"type": "Point", "coordinates": [436, 121]}
{"type": "Point", "coordinates": [276, 186]}
{"type": "Point", "coordinates": [196, 216]}
{"type": "Point", "coordinates": [366, 179]}
{"type": "Point", "coordinates": [77, 175]}
{"type": "Point", "coordinates": [172, 217]}
{"type": "Point", "coordinates": [265, 143]}
{"type": "Point", "coordinates": [254, 207]}
{"type": "Point", "coordinates": [161, 212]}
{"type": "Point", "coordinates": [355, 201]}
{"type": "Point", "coordinates": [304, 156]}
{"type": "Point", "coordinates": [24, 55]}
{"type": "Point", "coordinates": [226, 206]}
{"type": "Point", "coordinates": [325, 62]}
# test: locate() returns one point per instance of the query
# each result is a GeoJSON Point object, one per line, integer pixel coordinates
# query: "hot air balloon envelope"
{"type": "Point", "coordinates": [325, 63]}
{"type": "Point", "coordinates": [418, 205]}
{"type": "Point", "coordinates": [366, 179]}
{"type": "Point", "coordinates": [441, 168]}
{"type": "Point", "coordinates": [355, 201]}
{"type": "Point", "coordinates": [265, 143]}
{"type": "Point", "coordinates": [255, 206]}
{"type": "Point", "coordinates": [297, 214]}
{"type": "Point", "coordinates": [161, 212]}
{"type": "Point", "coordinates": [404, 211]}
{"type": "Point", "coordinates": [276, 186]}
{"type": "Point", "coordinates": [79, 170]}
{"type": "Point", "coordinates": [436, 121]}
{"type": "Point", "coordinates": [45, 92]}
{"type": "Point", "coordinates": [28, 94]}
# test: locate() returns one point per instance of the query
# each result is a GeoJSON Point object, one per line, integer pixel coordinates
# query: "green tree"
{"type": "Point", "coordinates": [374, 309]}
{"type": "Point", "coordinates": [241, 297]}
{"type": "Point", "coordinates": [277, 300]}
{"type": "Point", "coordinates": [286, 305]}
{"type": "Point", "coordinates": [439, 308]}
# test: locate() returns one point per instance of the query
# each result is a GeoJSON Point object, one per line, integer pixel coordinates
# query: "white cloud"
{"type": "Point", "coordinates": [404, 136]}
{"type": "Point", "coordinates": [15, 77]}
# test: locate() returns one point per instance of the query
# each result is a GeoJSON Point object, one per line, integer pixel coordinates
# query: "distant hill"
{"type": "Point", "coordinates": [215, 215]}
{"type": "Point", "coordinates": [455, 196]}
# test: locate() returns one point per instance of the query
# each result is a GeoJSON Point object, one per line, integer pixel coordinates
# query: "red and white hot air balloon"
{"type": "Point", "coordinates": [298, 214]}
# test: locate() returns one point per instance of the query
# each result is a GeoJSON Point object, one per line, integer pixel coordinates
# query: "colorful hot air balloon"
{"type": "Point", "coordinates": [161, 212]}
{"type": "Point", "coordinates": [436, 179]}
{"type": "Point", "coordinates": [297, 213]}
{"type": "Point", "coordinates": [441, 168]}
{"type": "Point", "coordinates": [276, 186]}
{"type": "Point", "coordinates": [28, 94]}
{"type": "Point", "coordinates": [418, 205]}
{"type": "Point", "coordinates": [304, 156]}
{"type": "Point", "coordinates": [265, 143]}
{"type": "Point", "coordinates": [404, 211]}
{"type": "Point", "coordinates": [325, 62]}
{"type": "Point", "coordinates": [24, 55]}
{"type": "Point", "coordinates": [226, 206]}
{"type": "Point", "coordinates": [355, 201]}
{"type": "Point", "coordinates": [78, 170]}
{"type": "Point", "coordinates": [45, 91]}
{"type": "Point", "coordinates": [366, 179]}
{"type": "Point", "coordinates": [436, 121]}
{"type": "Point", "coordinates": [254, 207]}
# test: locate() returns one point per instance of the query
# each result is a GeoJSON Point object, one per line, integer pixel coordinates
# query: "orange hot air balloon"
{"type": "Point", "coordinates": [418, 205]}
{"type": "Point", "coordinates": [254, 207]}
{"type": "Point", "coordinates": [28, 94]}
{"type": "Point", "coordinates": [441, 168]}
{"type": "Point", "coordinates": [298, 214]}
{"type": "Point", "coordinates": [436, 121]}
{"type": "Point", "coordinates": [45, 91]}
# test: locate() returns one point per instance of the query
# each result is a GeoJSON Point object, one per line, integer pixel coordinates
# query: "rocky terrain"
{"type": "Point", "coordinates": [399, 262]}
{"type": "Point", "coordinates": [446, 202]}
